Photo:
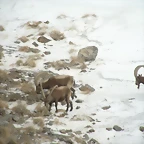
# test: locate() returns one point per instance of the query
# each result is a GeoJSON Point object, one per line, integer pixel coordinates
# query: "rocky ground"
{"type": "Point", "coordinates": [39, 46]}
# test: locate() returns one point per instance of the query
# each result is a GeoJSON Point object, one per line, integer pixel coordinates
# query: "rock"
{"type": "Point", "coordinates": [2, 111]}
{"type": "Point", "coordinates": [91, 130]}
{"type": "Point", "coordinates": [83, 71]}
{"type": "Point", "coordinates": [17, 42]}
{"type": "Point", "coordinates": [93, 141]}
{"type": "Point", "coordinates": [108, 129]}
{"type": "Point", "coordinates": [71, 43]}
{"type": "Point", "coordinates": [79, 101]}
{"type": "Point", "coordinates": [1, 28]}
{"type": "Point", "coordinates": [79, 140]}
{"type": "Point", "coordinates": [86, 137]}
{"type": "Point", "coordinates": [106, 107]}
{"type": "Point", "coordinates": [35, 44]}
{"type": "Point", "coordinates": [47, 52]}
{"type": "Point", "coordinates": [88, 53]}
{"type": "Point", "coordinates": [65, 131]}
{"type": "Point", "coordinates": [86, 88]}
{"type": "Point", "coordinates": [46, 22]}
{"type": "Point", "coordinates": [50, 123]}
{"type": "Point", "coordinates": [43, 39]}
{"type": "Point", "coordinates": [117, 128]}
{"type": "Point", "coordinates": [33, 24]}
{"type": "Point", "coordinates": [15, 118]}
{"type": "Point", "coordinates": [57, 35]}
{"type": "Point", "coordinates": [23, 39]}
{"type": "Point", "coordinates": [141, 128]}
{"type": "Point", "coordinates": [78, 107]}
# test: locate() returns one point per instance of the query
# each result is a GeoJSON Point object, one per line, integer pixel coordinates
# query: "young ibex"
{"type": "Point", "coordinates": [138, 78]}
{"type": "Point", "coordinates": [58, 94]}
{"type": "Point", "coordinates": [48, 81]}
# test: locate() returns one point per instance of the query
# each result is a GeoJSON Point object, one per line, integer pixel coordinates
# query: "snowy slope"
{"type": "Point", "coordinates": [119, 27]}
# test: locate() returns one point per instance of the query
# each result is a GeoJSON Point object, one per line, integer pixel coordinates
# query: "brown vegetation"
{"type": "Point", "coordinates": [39, 121]}
{"type": "Point", "coordinates": [3, 104]}
{"type": "Point", "coordinates": [57, 35]}
{"type": "Point", "coordinates": [21, 110]}
{"type": "Point", "coordinates": [27, 88]}
{"type": "Point", "coordinates": [88, 15]}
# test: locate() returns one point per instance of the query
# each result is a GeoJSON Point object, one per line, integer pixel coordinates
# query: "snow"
{"type": "Point", "coordinates": [119, 27]}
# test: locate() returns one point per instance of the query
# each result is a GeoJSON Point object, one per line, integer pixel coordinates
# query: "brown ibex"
{"type": "Point", "coordinates": [138, 78]}
{"type": "Point", "coordinates": [48, 81]}
{"type": "Point", "coordinates": [58, 94]}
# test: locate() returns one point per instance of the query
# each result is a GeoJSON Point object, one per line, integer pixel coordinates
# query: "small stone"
{"type": "Point", "coordinates": [17, 42]}
{"type": "Point", "coordinates": [97, 120]}
{"type": "Point", "coordinates": [86, 137]}
{"type": "Point", "coordinates": [87, 87]}
{"type": "Point", "coordinates": [109, 129]}
{"type": "Point", "coordinates": [93, 141]}
{"type": "Point", "coordinates": [47, 52]}
{"type": "Point", "coordinates": [83, 71]}
{"type": "Point", "coordinates": [106, 107]}
{"type": "Point", "coordinates": [46, 22]}
{"type": "Point", "coordinates": [79, 101]}
{"type": "Point", "coordinates": [117, 128]}
{"type": "Point", "coordinates": [15, 118]}
{"type": "Point", "coordinates": [101, 87]}
{"type": "Point", "coordinates": [50, 123]}
{"type": "Point", "coordinates": [141, 128]}
{"type": "Point", "coordinates": [35, 44]}
{"type": "Point", "coordinates": [91, 130]}
{"type": "Point", "coordinates": [1, 28]}
{"type": "Point", "coordinates": [43, 39]}
{"type": "Point", "coordinates": [78, 107]}
{"type": "Point", "coordinates": [63, 131]}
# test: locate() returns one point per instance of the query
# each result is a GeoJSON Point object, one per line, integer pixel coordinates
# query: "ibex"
{"type": "Point", "coordinates": [138, 78]}
{"type": "Point", "coordinates": [48, 81]}
{"type": "Point", "coordinates": [58, 94]}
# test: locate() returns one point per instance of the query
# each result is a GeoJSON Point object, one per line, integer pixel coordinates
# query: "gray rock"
{"type": "Point", "coordinates": [87, 88]}
{"type": "Point", "coordinates": [106, 107]}
{"type": "Point", "coordinates": [88, 53]}
{"type": "Point", "coordinates": [86, 137]}
{"type": "Point", "coordinates": [79, 101]}
{"type": "Point", "coordinates": [15, 118]}
{"type": "Point", "coordinates": [43, 39]}
{"type": "Point", "coordinates": [35, 44]}
{"type": "Point", "coordinates": [141, 128]}
{"type": "Point", "coordinates": [108, 129]}
{"type": "Point", "coordinates": [117, 128]}
{"type": "Point", "coordinates": [93, 141]}
{"type": "Point", "coordinates": [78, 107]}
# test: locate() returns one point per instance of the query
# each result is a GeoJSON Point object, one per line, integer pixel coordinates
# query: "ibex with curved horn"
{"type": "Point", "coordinates": [138, 78]}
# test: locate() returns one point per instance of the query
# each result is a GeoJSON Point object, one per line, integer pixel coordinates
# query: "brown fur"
{"type": "Point", "coordinates": [58, 94]}
{"type": "Point", "coordinates": [60, 80]}
{"type": "Point", "coordinates": [139, 80]}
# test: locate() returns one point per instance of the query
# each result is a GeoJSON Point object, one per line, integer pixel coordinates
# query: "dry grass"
{"type": "Point", "coordinates": [57, 35]}
{"type": "Point", "coordinates": [35, 56]}
{"type": "Point", "coordinates": [88, 15]}
{"type": "Point", "coordinates": [21, 110]}
{"type": "Point", "coordinates": [3, 104]}
{"type": "Point", "coordinates": [3, 75]}
{"type": "Point", "coordinates": [62, 16]}
{"type": "Point", "coordinates": [19, 62]}
{"type": "Point", "coordinates": [59, 64]}
{"type": "Point", "coordinates": [72, 51]}
{"type": "Point", "coordinates": [30, 62]}
{"type": "Point", "coordinates": [39, 121]}
{"type": "Point", "coordinates": [77, 62]}
{"type": "Point", "coordinates": [29, 130]}
{"type": "Point", "coordinates": [41, 110]}
{"type": "Point", "coordinates": [33, 24]}
{"type": "Point", "coordinates": [24, 49]}
{"type": "Point", "coordinates": [27, 88]}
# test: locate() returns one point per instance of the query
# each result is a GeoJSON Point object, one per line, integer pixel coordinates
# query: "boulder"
{"type": "Point", "coordinates": [88, 53]}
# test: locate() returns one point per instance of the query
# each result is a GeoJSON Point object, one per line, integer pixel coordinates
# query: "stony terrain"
{"type": "Point", "coordinates": [109, 109]}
